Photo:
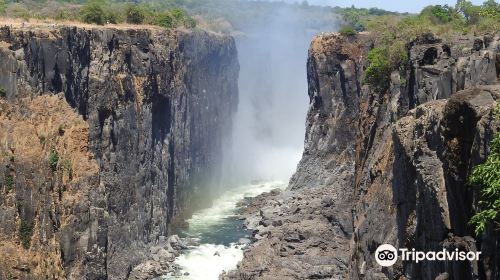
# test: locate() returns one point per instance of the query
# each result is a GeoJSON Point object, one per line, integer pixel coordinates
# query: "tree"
{"type": "Point", "coordinates": [491, 4]}
{"type": "Point", "coordinates": [490, 9]}
{"type": "Point", "coordinates": [181, 17]}
{"type": "Point", "coordinates": [164, 20]}
{"type": "Point", "coordinates": [437, 13]}
{"type": "Point", "coordinates": [378, 73]}
{"type": "Point", "coordinates": [178, 14]}
{"type": "Point", "coordinates": [469, 11]}
{"type": "Point", "coordinates": [92, 12]}
{"type": "Point", "coordinates": [135, 14]}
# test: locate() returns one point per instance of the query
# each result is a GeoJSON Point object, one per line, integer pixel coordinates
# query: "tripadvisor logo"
{"type": "Point", "coordinates": [387, 255]}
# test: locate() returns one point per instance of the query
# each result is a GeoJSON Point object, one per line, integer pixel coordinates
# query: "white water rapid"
{"type": "Point", "coordinates": [218, 230]}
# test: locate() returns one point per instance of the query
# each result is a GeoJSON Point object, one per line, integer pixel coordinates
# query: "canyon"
{"type": "Point", "coordinates": [110, 137]}
{"type": "Point", "coordinates": [106, 135]}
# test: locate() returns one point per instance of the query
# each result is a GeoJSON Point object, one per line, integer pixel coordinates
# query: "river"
{"type": "Point", "coordinates": [218, 230]}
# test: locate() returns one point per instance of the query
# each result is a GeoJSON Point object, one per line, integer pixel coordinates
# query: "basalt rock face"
{"type": "Point", "coordinates": [384, 166]}
{"type": "Point", "coordinates": [147, 109]}
{"type": "Point", "coordinates": [436, 146]}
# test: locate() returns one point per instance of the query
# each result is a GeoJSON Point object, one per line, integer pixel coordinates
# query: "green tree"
{"type": "Point", "coordinates": [487, 175]}
{"type": "Point", "coordinates": [378, 72]}
{"type": "Point", "coordinates": [490, 9]}
{"type": "Point", "coordinates": [469, 11]}
{"type": "Point", "coordinates": [438, 13]}
{"type": "Point", "coordinates": [181, 17]}
{"type": "Point", "coordinates": [491, 4]}
{"type": "Point", "coordinates": [348, 31]}
{"type": "Point", "coordinates": [178, 14]}
{"type": "Point", "coordinates": [93, 12]}
{"type": "Point", "coordinates": [190, 22]}
{"type": "Point", "coordinates": [164, 20]}
{"type": "Point", "coordinates": [135, 14]}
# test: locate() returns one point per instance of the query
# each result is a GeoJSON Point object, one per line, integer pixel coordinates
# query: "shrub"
{"type": "Point", "coordinates": [348, 31]}
{"type": "Point", "coordinates": [112, 17]}
{"type": "Point", "coordinates": [67, 167]}
{"type": "Point", "coordinates": [488, 24]}
{"type": "Point", "coordinates": [490, 9]}
{"type": "Point", "coordinates": [178, 14]}
{"type": "Point", "coordinates": [3, 92]}
{"type": "Point", "coordinates": [173, 18]}
{"type": "Point", "coordinates": [469, 11]}
{"type": "Point", "coordinates": [62, 15]}
{"type": "Point", "coordinates": [9, 183]}
{"type": "Point", "coordinates": [438, 13]}
{"type": "Point", "coordinates": [190, 22]}
{"type": "Point", "coordinates": [180, 17]}
{"type": "Point", "coordinates": [398, 54]}
{"type": "Point", "coordinates": [392, 36]}
{"type": "Point", "coordinates": [135, 14]}
{"type": "Point", "coordinates": [164, 20]}
{"type": "Point", "coordinates": [93, 12]}
{"type": "Point", "coordinates": [18, 10]}
{"type": "Point", "coordinates": [25, 231]}
{"type": "Point", "coordinates": [377, 74]}
{"type": "Point", "coordinates": [487, 175]}
{"type": "Point", "coordinates": [53, 160]}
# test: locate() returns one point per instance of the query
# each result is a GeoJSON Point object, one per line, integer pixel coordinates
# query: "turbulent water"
{"type": "Point", "coordinates": [218, 230]}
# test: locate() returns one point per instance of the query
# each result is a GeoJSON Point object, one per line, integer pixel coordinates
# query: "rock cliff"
{"type": "Point", "coordinates": [384, 166]}
{"type": "Point", "coordinates": [105, 134]}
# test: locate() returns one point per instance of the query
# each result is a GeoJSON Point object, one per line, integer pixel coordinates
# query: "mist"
{"type": "Point", "coordinates": [269, 126]}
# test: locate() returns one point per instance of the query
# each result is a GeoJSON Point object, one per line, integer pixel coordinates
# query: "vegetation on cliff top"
{"type": "Point", "coordinates": [100, 12]}
{"type": "Point", "coordinates": [487, 175]}
{"type": "Point", "coordinates": [392, 34]}
{"type": "Point", "coordinates": [217, 15]}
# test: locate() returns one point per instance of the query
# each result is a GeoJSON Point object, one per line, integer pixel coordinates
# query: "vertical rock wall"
{"type": "Point", "coordinates": [384, 166]}
{"type": "Point", "coordinates": [158, 105]}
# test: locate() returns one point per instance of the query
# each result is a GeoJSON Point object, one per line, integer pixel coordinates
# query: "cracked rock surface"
{"type": "Point", "coordinates": [383, 166]}
{"type": "Point", "coordinates": [148, 111]}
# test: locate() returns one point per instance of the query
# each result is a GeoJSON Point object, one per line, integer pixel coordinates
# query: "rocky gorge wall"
{"type": "Point", "coordinates": [105, 134]}
{"type": "Point", "coordinates": [384, 166]}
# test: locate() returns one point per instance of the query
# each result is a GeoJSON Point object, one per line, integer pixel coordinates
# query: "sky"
{"type": "Point", "coordinates": [412, 6]}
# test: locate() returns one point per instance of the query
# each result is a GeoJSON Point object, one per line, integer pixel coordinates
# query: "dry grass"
{"type": "Point", "coordinates": [29, 130]}
{"type": "Point", "coordinates": [48, 24]}
{"type": "Point", "coordinates": [34, 135]}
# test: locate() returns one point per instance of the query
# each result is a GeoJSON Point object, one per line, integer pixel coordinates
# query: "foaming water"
{"type": "Point", "coordinates": [208, 261]}
{"type": "Point", "coordinates": [218, 230]}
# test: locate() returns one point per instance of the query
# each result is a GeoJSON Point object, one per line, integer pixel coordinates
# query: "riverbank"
{"type": "Point", "coordinates": [296, 227]}
{"type": "Point", "coordinates": [215, 240]}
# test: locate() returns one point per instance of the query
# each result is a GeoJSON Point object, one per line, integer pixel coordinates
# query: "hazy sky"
{"type": "Point", "coordinates": [400, 6]}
